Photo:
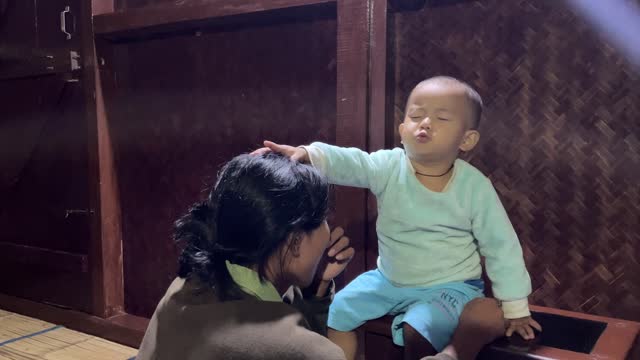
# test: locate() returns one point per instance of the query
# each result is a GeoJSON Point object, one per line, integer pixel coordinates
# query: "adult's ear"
{"type": "Point", "coordinates": [293, 244]}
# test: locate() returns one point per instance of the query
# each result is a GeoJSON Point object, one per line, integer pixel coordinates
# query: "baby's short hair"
{"type": "Point", "coordinates": [472, 95]}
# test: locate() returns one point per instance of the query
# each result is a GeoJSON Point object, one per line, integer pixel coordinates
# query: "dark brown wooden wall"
{"type": "Point", "coordinates": [560, 137]}
{"type": "Point", "coordinates": [186, 104]}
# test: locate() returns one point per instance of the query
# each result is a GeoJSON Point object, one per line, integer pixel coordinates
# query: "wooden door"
{"type": "Point", "coordinates": [44, 207]}
{"type": "Point", "coordinates": [43, 192]}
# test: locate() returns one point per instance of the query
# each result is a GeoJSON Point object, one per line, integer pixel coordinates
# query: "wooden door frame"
{"type": "Point", "coordinates": [360, 118]}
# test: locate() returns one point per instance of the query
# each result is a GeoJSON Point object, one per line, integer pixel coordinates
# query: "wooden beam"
{"type": "Point", "coordinates": [352, 119]}
{"type": "Point", "coordinates": [361, 120]}
{"type": "Point", "coordinates": [378, 127]}
{"type": "Point", "coordinates": [106, 236]}
{"type": "Point", "coordinates": [185, 12]}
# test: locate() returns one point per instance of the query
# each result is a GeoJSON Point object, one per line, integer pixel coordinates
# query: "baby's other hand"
{"type": "Point", "coordinates": [523, 326]}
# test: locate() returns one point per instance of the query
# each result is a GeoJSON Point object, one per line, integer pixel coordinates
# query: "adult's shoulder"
{"type": "Point", "coordinates": [271, 331]}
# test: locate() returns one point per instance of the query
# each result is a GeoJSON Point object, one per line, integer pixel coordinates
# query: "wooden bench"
{"type": "Point", "coordinates": [566, 336]}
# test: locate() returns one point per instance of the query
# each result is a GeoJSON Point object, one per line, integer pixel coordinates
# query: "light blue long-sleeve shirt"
{"type": "Point", "coordinates": [427, 238]}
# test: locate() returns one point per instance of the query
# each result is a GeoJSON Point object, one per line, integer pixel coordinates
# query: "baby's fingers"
{"type": "Point", "coordinates": [526, 332]}
{"type": "Point", "coordinates": [346, 255]}
{"type": "Point", "coordinates": [260, 151]}
{"type": "Point", "coordinates": [535, 325]}
{"type": "Point", "coordinates": [510, 330]}
{"type": "Point", "coordinates": [340, 245]}
{"type": "Point", "coordinates": [336, 234]}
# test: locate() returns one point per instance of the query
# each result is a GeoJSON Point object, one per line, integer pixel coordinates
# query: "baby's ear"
{"type": "Point", "coordinates": [470, 140]}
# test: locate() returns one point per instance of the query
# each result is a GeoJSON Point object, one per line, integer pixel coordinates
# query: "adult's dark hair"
{"type": "Point", "coordinates": [258, 201]}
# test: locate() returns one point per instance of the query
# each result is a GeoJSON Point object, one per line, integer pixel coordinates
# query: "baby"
{"type": "Point", "coordinates": [437, 215]}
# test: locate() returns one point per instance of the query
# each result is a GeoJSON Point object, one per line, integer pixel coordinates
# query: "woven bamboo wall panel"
{"type": "Point", "coordinates": [560, 137]}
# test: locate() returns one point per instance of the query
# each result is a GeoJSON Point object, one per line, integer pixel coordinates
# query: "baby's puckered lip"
{"type": "Point", "coordinates": [423, 136]}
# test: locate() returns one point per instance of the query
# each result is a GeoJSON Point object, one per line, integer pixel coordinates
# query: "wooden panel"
{"type": "Point", "coordinates": [18, 28]}
{"type": "Point", "coordinates": [31, 62]}
{"type": "Point", "coordinates": [43, 185]}
{"type": "Point", "coordinates": [18, 37]}
{"type": "Point", "coordinates": [30, 256]}
{"type": "Point", "coordinates": [186, 104]}
{"type": "Point", "coordinates": [44, 167]}
{"type": "Point", "coordinates": [559, 139]}
{"type": "Point", "coordinates": [143, 14]}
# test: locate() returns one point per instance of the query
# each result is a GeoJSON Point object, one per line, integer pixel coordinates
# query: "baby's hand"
{"type": "Point", "coordinates": [523, 326]}
{"type": "Point", "coordinates": [294, 153]}
{"type": "Point", "coordinates": [338, 255]}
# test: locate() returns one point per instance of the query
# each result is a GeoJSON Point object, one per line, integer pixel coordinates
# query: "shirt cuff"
{"type": "Point", "coordinates": [317, 158]}
{"type": "Point", "coordinates": [516, 309]}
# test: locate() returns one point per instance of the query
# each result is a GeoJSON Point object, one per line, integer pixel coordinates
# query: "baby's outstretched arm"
{"type": "Point", "coordinates": [343, 166]}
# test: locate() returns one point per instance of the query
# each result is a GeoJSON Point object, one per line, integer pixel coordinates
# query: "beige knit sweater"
{"type": "Point", "coordinates": [192, 324]}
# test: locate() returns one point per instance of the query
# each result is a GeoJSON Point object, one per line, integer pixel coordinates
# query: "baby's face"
{"type": "Point", "coordinates": [436, 120]}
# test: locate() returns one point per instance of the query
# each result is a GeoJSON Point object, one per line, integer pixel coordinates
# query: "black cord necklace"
{"type": "Point", "coordinates": [441, 175]}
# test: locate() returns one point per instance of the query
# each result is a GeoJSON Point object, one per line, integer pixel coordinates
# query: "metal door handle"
{"type": "Point", "coordinates": [63, 21]}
